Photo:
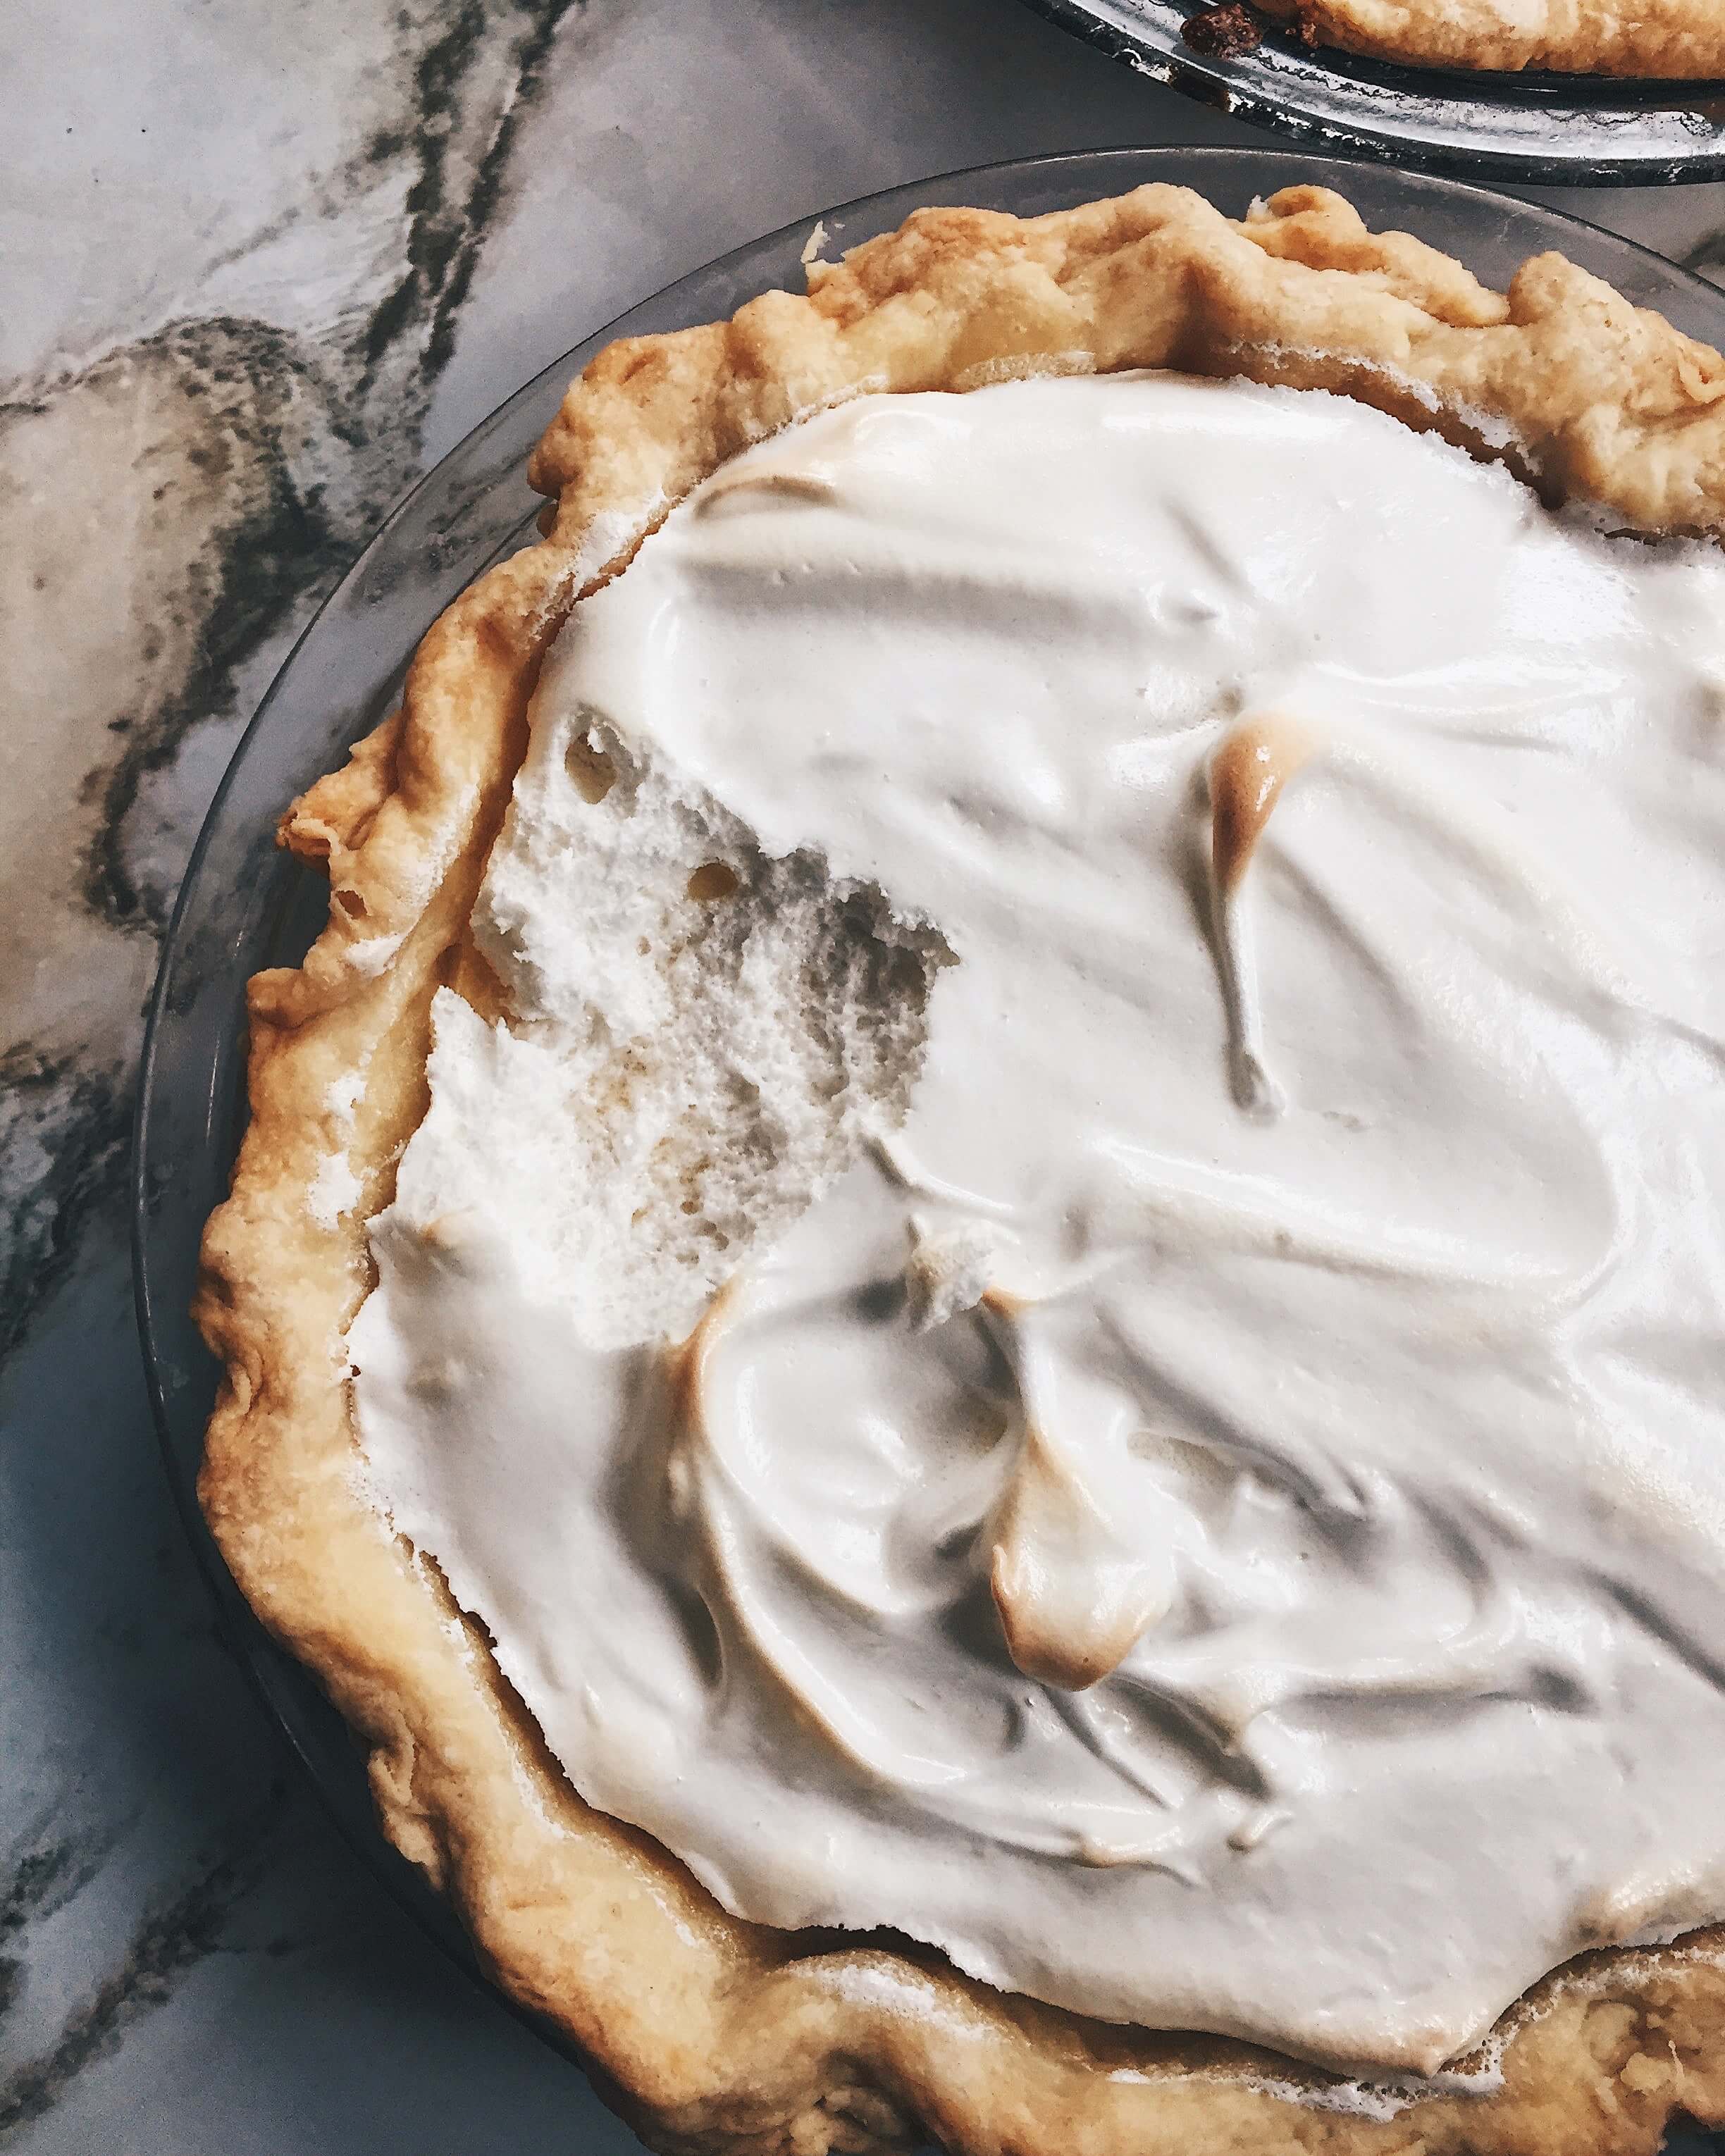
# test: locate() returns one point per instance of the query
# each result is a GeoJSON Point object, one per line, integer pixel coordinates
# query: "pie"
{"type": "Point", "coordinates": [995, 1197]}
{"type": "Point", "coordinates": [1680, 40]}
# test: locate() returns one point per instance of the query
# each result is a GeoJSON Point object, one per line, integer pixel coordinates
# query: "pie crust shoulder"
{"type": "Point", "coordinates": [1674, 39]}
{"type": "Point", "coordinates": [708, 2033]}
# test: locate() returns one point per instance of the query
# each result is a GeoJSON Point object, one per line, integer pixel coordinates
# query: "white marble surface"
{"type": "Point", "coordinates": [262, 262]}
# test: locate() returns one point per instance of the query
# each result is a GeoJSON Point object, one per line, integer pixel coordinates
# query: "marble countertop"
{"type": "Point", "coordinates": [263, 264]}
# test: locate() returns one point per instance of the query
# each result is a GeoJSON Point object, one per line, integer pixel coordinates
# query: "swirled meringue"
{"type": "Point", "coordinates": [1080, 1312]}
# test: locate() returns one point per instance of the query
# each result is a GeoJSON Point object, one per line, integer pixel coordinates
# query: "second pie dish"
{"type": "Point", "coordinates": [1573, 96]}
{"type": "Point", "coordinates": [1094, 671]}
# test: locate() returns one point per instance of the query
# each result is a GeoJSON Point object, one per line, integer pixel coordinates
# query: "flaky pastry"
{"type": "Point", "coordinates": [1673, 39]}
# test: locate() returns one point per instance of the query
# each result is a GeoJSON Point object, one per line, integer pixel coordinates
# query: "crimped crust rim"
{"type": "Point", "coordinates": [1663, 40]}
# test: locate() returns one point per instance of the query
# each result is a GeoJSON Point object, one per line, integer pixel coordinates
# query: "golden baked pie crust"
{"type": "Point", "coordinates": [712, 2034]}
{"type": "Point", "coordinates": [1679, 40]}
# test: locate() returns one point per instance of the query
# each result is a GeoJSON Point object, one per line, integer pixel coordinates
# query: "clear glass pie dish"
{"type": "Point", "coordinates": [242, 906]}
{"type": "Point", "coordinates": [1534, 128]}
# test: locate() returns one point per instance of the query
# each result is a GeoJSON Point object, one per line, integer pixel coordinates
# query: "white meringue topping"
{"type": "Point", "coordinates": [1159, 1424]}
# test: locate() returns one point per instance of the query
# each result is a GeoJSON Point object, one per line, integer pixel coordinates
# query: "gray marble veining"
{"type": "Point", "coordinates": [262, 265]}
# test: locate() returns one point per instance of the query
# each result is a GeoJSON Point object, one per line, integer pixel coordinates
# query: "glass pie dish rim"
{"type": "Point", "coordinates": [1533, 129]}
